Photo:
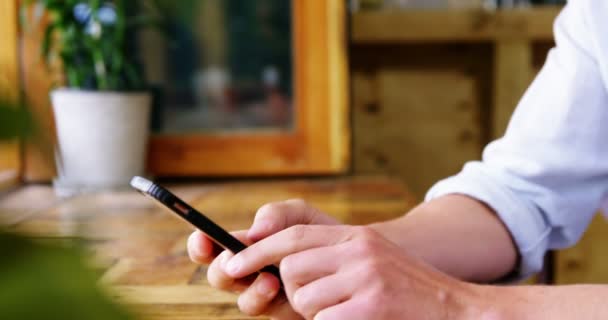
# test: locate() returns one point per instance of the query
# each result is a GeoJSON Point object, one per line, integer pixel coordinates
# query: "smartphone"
{"type": "Point", "coordinates": [216, 233]}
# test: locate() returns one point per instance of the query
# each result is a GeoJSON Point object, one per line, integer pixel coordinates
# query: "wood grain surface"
{"type": "Point", "coordinates": [429, 26]}
{"type": "Point", "coordinates": [141, 249]}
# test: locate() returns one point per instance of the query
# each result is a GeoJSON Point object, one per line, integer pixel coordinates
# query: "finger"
{"type": "Point", "coordinates": [322, 294]}
{"type": "Point", "coordinates": [202, 250]}
{"type": "Point", "coordinates": [350, 309]}
{"type": "Point", "coordinates": [304, 267]}
{"type": "Point", "coordinates": [274, 217]}
{"type": "Point", "coordinates": [256, 299]}
{"type": "Point", "coordinates": [281, 309]}
{"type": "Point", "coordinates": [219, 279]}
{"type": "Point", "coordinates": [273, 249]}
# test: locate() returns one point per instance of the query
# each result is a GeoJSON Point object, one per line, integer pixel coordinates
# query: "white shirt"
{"type": "Point", "coordinates": [548, 176]}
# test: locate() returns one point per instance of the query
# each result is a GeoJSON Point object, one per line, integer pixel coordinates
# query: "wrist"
{"type": "Point", "coordinates": [485, 302]}
{"type": "Point", "coordinates": [490, 302]}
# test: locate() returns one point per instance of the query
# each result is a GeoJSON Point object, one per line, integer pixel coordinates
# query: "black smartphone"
{"type": "Point", "coordinates": [216, 233]}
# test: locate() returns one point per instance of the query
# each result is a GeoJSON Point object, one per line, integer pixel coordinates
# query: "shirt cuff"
{"type": "Point", "coordinates": [526, 222]}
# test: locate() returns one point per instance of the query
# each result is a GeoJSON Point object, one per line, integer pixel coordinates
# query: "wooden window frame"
{"type": "Point", "coordinates": [319, 144]}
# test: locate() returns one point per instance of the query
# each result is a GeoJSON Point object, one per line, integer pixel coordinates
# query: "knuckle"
{"type": "Point", "coordinates": [371, 267]}
{"type": "Point", "coordinates": [216, 277]}
{"type": "Point", "coordinates": [296, 233]}
{"type": "Point", "coordinates": [303, 207]}
{"type": "Point", "coordinates": [215, 280]}
{"type": "Point", "coordinates": [364, 247]}
{"type": "Point", "coordinates": [377, 284]}
{"type": "Point", "coordinates": [366, 232]}
{"type": "Point", "coordinates": [292, 236]}
{"type": "Point", "coordinates": [269, 209]}
{"type": "Point", "coordinates": [287, 268]}
{"type": "Point", "coordinates": [371, 303]}
{"type": "Point", "coordinates": [297, 202]}
{"type": "Point", "coordinates": [301, 301]}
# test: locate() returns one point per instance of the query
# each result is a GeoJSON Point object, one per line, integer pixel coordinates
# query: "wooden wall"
{"type": "Point", "coordinates": [418, 109]}
{"type": "Point", "coordinates": [9, 82]}
{"type": "Point", "coordinates": [432, 88]}
{"type": "Point", "coordinates": [586, 262]}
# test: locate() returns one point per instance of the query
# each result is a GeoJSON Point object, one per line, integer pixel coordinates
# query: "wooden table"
{"type": "Point", "coordinates": [141, 249]}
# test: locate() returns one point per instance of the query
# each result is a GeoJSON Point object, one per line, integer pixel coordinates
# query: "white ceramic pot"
{"type": "Point", "coordinates": [102, 136]}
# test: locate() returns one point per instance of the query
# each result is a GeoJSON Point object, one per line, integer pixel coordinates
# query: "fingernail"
{"type": "Point", "coordinates": [224, 258]}
{"type": "Point", "coordinates": [233, 265]}
{"type": "Point", "coordinates": [265, 288]}
{"type": "Point", "coordinates": [194, 249]}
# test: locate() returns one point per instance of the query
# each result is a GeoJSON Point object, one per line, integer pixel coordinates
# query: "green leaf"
{"type": "Point", "coordinates": [84, 57]}
{"type": "Point", "coordinates": [74, 78]}
{"type": "Point", "coordinates": [133, 77]}
{"type": "Point", "coordinates": [43, 281]}
{"type": "Point", "coordinates": [15, 121]}
{"type": "Point", "coordinates": [48, 42]}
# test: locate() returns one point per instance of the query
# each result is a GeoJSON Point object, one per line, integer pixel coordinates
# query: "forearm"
{"type": "Point", "coordinates": [542, 302]}
{"type": "Point", "coordinates": [457, 235]}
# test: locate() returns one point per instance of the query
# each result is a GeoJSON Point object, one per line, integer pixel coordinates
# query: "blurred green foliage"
{"type": "Point", "coordinates": [49, 282]}
{"type": "Point", "coordinates": [95, 40]}
{"type": "Point", "coordinates": [15, 121]}
{"type": "Point", "coordinates": [44, 281]}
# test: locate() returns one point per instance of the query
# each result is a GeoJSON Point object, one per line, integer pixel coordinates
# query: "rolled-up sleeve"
{"type": "Point", "coordinates": [547, 176]}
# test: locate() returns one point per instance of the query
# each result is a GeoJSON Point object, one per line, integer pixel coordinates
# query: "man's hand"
{"type": "Point", "coordinates": [257, 295]}
{"type": "Point", "coordinates": [346, 272]}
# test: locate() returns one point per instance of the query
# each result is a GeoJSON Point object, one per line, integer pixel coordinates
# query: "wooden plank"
{"type": "Point", "coordinates": [173, 294]}
{"type": "Point", "coordinates": [179, 302]}
{"type": "Point", "coordinates": [428, 26]}
{"type": "Point", "coordinates": [10, 163]}
{"type": "Point", "coordinates": [513, 72]}
{"type": "Point", "coordinates": [8, 179]}
{"type": "Point", "coordinates": [586, 262]}
{"type": "Point", "coordinates": [421, 126]}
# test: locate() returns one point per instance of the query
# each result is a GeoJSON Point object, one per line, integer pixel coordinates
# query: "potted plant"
{"type": "Point", "coordinates": [102, 110]}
